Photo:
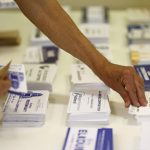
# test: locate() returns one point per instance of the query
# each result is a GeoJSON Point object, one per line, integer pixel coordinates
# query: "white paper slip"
{"type": "Point", "coordinates": [88, 139]}
{"type": "Point", "coordinates": [40, 76]}
{"type": "Point", "coordinates": [95, 14]}
{"type": "Point", "coordinates": [91, 102]}
{"type": "Point", "coordinates": [96, 33]}
{"type": "Point", "coordinates": [41, 54]}
{"type": "Point", "coordinates": [18, 78]}
{"type": "Point", "coordinates": [8, 4]}
{"type": "Point", "coordinates": [143, 110]}
{"type": "Point", "coordinates": [33, 102]}
{"type": "Point", "coordinates": [140, 47]}
{"type": "Point", "coordinates": [22, 124]}
{"type": "Point", "coordinates": [88, 108]}
{"type": "Point", "coordinates": [137, 15]}
{"type": "Point", "coordinates": [82, 77]}
{"type": "Point", "coordinates": [25, 109]}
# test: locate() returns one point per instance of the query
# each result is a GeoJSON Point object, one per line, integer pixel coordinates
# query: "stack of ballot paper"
{"type": "Point", "coordinates": [139, 33]}
{"type": "Point", "coordinates": [88, 139]}
{"type": "Point", "coordinates": [8, 4]}
{"type": "Point", "coordinates": [40, 76]}
{"type": "Point", "coordinates": [41, 54]}
{"type": "Point", "coordinates": [137, 15]}
{"type": "Point", "coordinates": [140, 53]}
{"type": "Point", "coordinates": [95, 14]}
{"type": "Point", "coordinates": [141, 114]}
{"type": "Point", "coordinates": [144, 72]}
{"type": "Point", "coordinates": [88, 108]}
{"type": "Point", "coordinates": [82, 78]}
{"type": "Point", "coordinates": [96, 33]}
{"type": "Point", "coordinates": [16, 73]}
{"type": "Point", "coordinates": [25, 109]}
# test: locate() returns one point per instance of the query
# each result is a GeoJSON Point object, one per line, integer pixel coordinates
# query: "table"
{"type": "Point", "coordinates": [51, 136]}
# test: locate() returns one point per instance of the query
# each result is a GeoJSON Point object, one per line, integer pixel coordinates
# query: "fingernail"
{"type": "Point", "coordinates": [138, 105]}
{"type": "Point", "coordinates": [145, 103]}
{"type": "Point", "coordinates": [127, 104]}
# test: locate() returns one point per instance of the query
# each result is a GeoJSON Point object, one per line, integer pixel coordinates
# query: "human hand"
{"type": "Point", "coordinates": [125, 81]}
{"type": "Point", "coordinates": [4, 86]}
{"type": "Point", "coordinates": [5, 83]}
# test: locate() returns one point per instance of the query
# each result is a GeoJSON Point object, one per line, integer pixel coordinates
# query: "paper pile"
{"type": "Point", "coordinates": [82, 78]}
{"type": "Point", "coordinates": [25, 109]}
{"type": "Point", "coordinates": [96, 33]}
{"type": "Point", "coordinates": [140, 53]}
{"type": "Point", "coordinates": [41, 54]}
{"type": "Point", "coordinates": [88, 108]}
{"type": "Point", "coordinates": [88, 139]}
{"type": "Point", "coordinates": [40, 76]}
{"type": "Point", "coordinates": [95, 14]}
{"type": "Point", "coordinates": [141, 114]}
{"type": "Point", "coordinates": [8, 4]}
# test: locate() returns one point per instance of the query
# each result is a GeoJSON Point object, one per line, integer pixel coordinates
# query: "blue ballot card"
{"type": "Point", "coordinates": [88, 139]}
{"type": "Point", "coordinates": [144, 72]}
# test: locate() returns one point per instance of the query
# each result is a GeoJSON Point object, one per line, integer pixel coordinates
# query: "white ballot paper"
{"type": "Point", "coordinates": [88, 139]}
{"type": "Point", "coordinates": [23, 109]}
{"type": "Point", "coordinates": [142, 113]}
{"type": "Point", "coordinates": [82, 78]}
{"type": "Point", "coordinates": [88, 106]}
{"type": "Point", "coordinates": [96, 33]}
{"type": "Point", "coordinates": [40, 76]}
{"type": "Point", "coordinates": [8, 4]}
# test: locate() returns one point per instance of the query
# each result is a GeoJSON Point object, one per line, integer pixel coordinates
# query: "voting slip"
{"type": "Point", "coordinates": [139, 33]}
{"type": "Point", "coordinates": [95, 14]}
{"type": "Point", "coordinates": [138, 15]}
{"type": "Point", "coordinates": [25, 109]}
{"type": "Point", "coordinates": [41, 54]}
{"type": "Point", "coordinates": [8, 4]}
{"type": "Point", "coordinates": [40, 76]}
{"type": "Point", "coordinates": [82, 78]}
{"type": "Point", "coordinates": [96, 33]}
{"type": "Point", "coordinates": [88, 107]}
{"type": "Point", "coordinates": [144, 72]}
{"type": "Point", "coordinates": [88, 139]}
{"type": "Point", "coordinates": [140, 53]}
{"type": "Point", "coordinates": [16, 73]}
{"type": "Point", "coordinates": [142, 113]}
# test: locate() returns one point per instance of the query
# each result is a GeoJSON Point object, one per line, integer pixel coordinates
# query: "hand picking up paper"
{"type": "Point", "coordinates": [5, 83]}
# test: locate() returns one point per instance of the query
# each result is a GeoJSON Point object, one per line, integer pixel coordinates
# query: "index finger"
{"type": "Point", "coordinates": [140, 91]}
{"type": "Point", "coordinates": [130, 87]}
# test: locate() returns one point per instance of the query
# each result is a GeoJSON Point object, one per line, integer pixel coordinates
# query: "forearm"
{"type": "Point", "coordinates": [50, 18]}
{"type": "Point", "coordinates": [53, 21]}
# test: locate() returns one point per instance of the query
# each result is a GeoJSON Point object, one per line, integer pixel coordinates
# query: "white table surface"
{"type": "Point", "coordinates": [51, 136]}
